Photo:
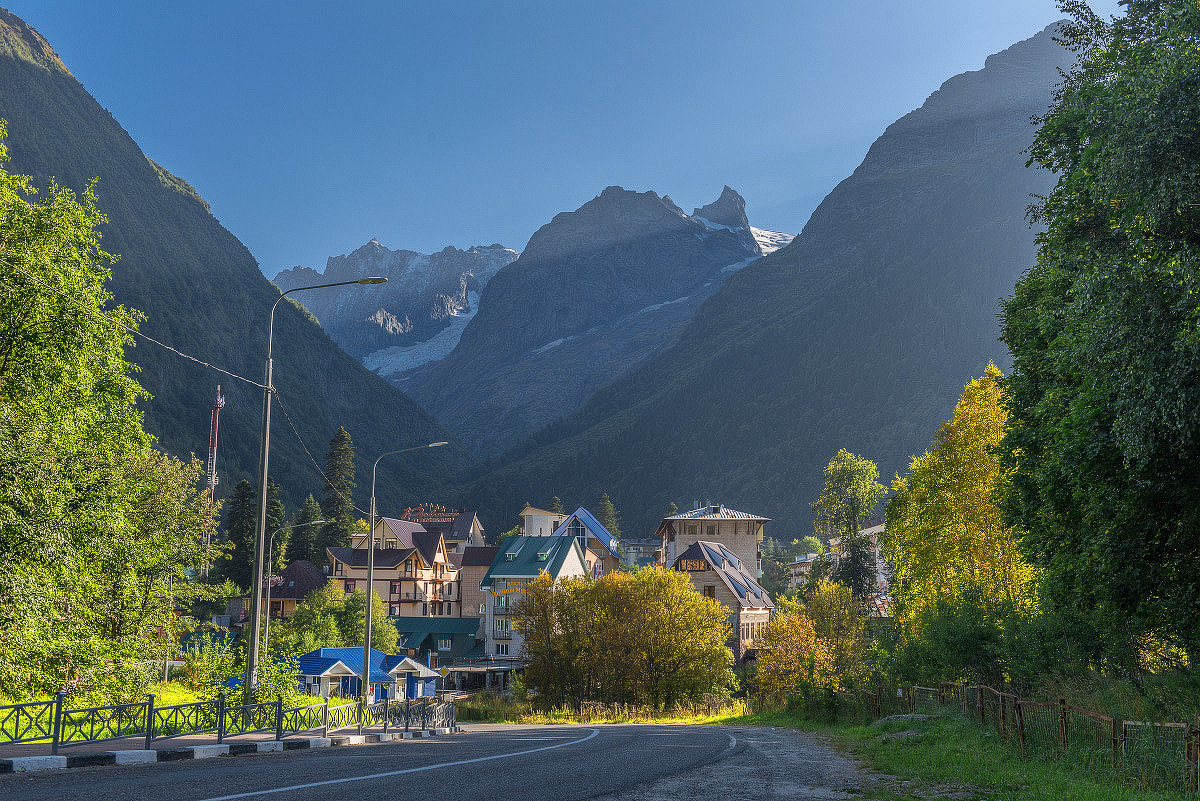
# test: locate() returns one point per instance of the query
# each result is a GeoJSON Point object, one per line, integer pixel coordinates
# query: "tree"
{"type": "Point", "coordinates": [241, 530]}
{"type": "Point", "coordinates": [856, 566]}
{"type": "Point", "coordinates": [792, 660]}
{"type": "Point", "coordinates": [330, 618]}
{"type": "Point", "coordinates": [1104, 398]}
{"type": "Point", "coordinates": [672, 509]}
{"type": "Point", "coordinates": [555, 506]}
{"type": "Point", "coordinates": [303, 541]}
{"type": "Point", "coordinates": [945, 533]}
{"type": "Point", "coordinates": [276, 520]}
{"type": "Point", "coordinates": [607, 514]}
{"type": "Point", "coordinates": [99, 533]}
{"type": "Point", "coordinates": [809, 544]}
{"type": "Point", "coordinates": [337, 506]}
{"type": "Point", "coordinates": [850, 496]}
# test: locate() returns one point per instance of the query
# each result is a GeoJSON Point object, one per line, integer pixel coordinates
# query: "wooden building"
{"type": "Point", "coordinates": [413, 572]}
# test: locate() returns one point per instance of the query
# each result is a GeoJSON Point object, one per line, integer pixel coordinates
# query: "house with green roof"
{"type": "Point", "coordinates": [446, 638]}
{"type": "Point", "coordinates": [519, 561]}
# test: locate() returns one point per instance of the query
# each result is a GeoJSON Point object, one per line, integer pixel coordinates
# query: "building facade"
{"type": "Point", "coordinates": [601, 550]}
{"type": "Point", "coordinates": [473, 564]}
{"type": "Point", "coordinates": [540, 522]}
{"type": "Point", "coordinates": [716, 572]}
{"type": "Point", "coordinates": [740, 533]}
{"type": "Point", "coordinates": [459, 528]}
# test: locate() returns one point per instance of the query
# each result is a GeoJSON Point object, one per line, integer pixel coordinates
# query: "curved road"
{"type": "Point", "coordinates": [516, 763]}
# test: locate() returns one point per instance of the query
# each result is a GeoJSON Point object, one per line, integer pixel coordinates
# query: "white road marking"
{"type": "Point", "coordinates": [400, 772]}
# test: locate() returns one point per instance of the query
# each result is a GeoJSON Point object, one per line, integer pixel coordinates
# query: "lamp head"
{"type": "Point", "coordinates": [375, 279]}
{"type": "Point", "coordinates": [436, 444]}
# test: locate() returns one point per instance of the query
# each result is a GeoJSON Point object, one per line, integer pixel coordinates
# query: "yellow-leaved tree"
{"type": "Point", "coordinates": [945, 533]}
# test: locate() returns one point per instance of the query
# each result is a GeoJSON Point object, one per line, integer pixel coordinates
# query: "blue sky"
{"type": "Point", "coordinates": [312, 127]}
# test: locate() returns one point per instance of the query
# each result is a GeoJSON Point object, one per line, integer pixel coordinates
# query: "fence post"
{"type": "Point", "coordinates": [912, 699]}
{"type": "Point", "coordinates": [325, 718]}
{"type": "Point", "coordinates": [941, 694]}
{"type": "Point", "coordinates": [1062, 724]}
{"type": "Point", "coordinates": [58, 699]}
{"type": "Point", "coordinates": [1003, 716]}
{"type": "Point", "coordinates": [979, 699]}
{"type": "Point", "coordinates": [425, 713]}
{"type": "Point", "coordinates": [1117, 727]}
{"type": "Point", "coordinates": [966, 704]}
{"type": "Point", "coordinates": [1020, 723]}
{"type": "Point", "coordinates": [149, 720]}
{"type": "Point", "coordinates": [279, 718]}
{"type": "Point", "coordinates": [407, 713]}
{"type": "Point", "coordinates": [387, 704]}
{"type": "Point", "coordinates": [360, 710]}
{"type": "Point", "coordinates": [221, 716]}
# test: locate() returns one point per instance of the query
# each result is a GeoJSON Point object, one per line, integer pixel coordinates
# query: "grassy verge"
{"type": "Point", "coordinates": [492, 709]}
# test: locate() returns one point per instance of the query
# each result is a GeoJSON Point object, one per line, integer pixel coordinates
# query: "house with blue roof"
{"type": "Point", "coordinates": [326, 672]}
{"type": "Point", "coordinates": [601, 550]}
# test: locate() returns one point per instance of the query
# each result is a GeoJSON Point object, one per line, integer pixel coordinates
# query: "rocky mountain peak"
{"type": "Point", "coordinates": [729, 209]}
{"type": "Point", "coordinates": [20, 41]}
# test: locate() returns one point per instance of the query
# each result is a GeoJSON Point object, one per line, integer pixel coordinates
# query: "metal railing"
{"type": "Point", "coordinates": [50, 722]}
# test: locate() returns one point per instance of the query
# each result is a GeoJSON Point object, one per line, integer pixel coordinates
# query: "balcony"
{"type": "Point", "coordinates": [502, 635]}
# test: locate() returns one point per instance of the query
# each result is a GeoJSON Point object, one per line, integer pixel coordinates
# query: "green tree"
{"type": "Point", "coordinates": [276, 520]}
{"type": "Point", "coordinates": [1104, 398]}
{"type": "Point", "coordinates": [336, 506]}
{"type": "Point", "coordinates": [555, 506]}
{"type": "Point", "coordinates": [241, 529]}
{"type": "Point", "coordinates": [608, 516]}
{"type": "Point", "coordinates": [303, 541]}
{"type": "Point", "coordinates": [672, 509]}
{"type": "Point", "coordinates": [809, 544]}
{"type": "Point", "coordinates": [330, 618]}
{"type": "Point", "coordinates": [849, 498]}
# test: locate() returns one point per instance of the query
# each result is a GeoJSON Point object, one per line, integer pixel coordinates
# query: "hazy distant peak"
{"type": "Point", "coordinates": [729, 209]}
{"type": "Point", "coordinates": [19, 40]}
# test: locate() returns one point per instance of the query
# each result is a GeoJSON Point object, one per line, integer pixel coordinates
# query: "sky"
{"type": "Point", "coordinates": [311, 127]}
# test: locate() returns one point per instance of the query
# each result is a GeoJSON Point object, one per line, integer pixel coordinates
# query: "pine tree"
{"type": "Point", "coordinates": [276, 519]}
{"type": "Point", "coordinates": [672, 509]}
{"type": "Point", "coordinates": [241, 527]}
{"type": "Point", "coordinates": [555, 506]}
{"type": "Point", "coordinates": [608, 516]}
{"type": "Point", "coordinates": [336, 506]}
{"type": "Point", "coordinates": [303, 541]}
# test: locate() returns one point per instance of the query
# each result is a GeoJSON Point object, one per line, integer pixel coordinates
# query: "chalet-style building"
{"type": "Point", "coordinates": [800, 568]}
{"type": "Point", "coordinates": [601, 550]}
{"type": "Point", "coordinates": [739, 532]}
{"type": "Point", "coordinates": [459, 528]}
{"type": "Point", "coordinates": [718, 573]}
{"type": "Point", "coordinates": [518, 561]}
{"type": "Point", "coordinates": [413, 572]}
{"type": "Point", "coordinates": [288, 588]}
{"type": "Point", "coordinates": [473, 563]}
{"type": "Point", "coordinates": [540, 522]}
{"type": "Point", "coordinates": [337, 672]}
{"type": "Point", "coordinates": [436, 641]}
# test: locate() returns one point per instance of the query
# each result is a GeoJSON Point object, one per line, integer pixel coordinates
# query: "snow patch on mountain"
{"type": "Point", "coordinates": [394, 360]}
{"type": "Point", "coordinates": [770, 241]}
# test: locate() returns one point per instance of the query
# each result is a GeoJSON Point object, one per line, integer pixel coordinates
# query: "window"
{"type": "Point", "coordinates": [394, 610]}
{"type": "Point", "coordinates": [508, 557]}
{"type": "Point", "coordinates": [350, 584]}
{"type": "Point", "coordinates": [408, 567]}
{"type": "Point", "coordinates": [444, 643]}
{"type": "Point", "coordinates": [691, 531]}
{"type": "Point", "coordinates": [395, 588]}
{"type": "Point", "coordinates": [337, 568]}
{"type": "Point", "coordinates": [501, 649]}
{"type": "Point", "coordinates": [710, 591]}
{"type": "Point", "coordinates": [449, 590]}
{"type": "Point", "coordinates": [502, 625]}
{"type": "Point", "coordinates": [711, 531]}
{"type": "Point", "coordinates": [424, 609]}
{"type": "Point", "coordinates": [483, 608]}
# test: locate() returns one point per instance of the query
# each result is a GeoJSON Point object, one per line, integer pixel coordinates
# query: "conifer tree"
{"type": "Point", "coordinates": [608, 516]}
{"type": "Point", "coordinates": [555, 506]}
{"type": "Point", "coordinates": [336, 506]}
{"type": "Point", "coordinates": [303, 541]}
{"type": "Point", "coordinates": [672, 509]}
{"type": "Point", "coordinates": [276, 519]}
{"type": "Point", "coordinates": [241, 526]}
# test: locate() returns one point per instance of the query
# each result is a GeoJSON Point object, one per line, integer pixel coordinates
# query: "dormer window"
{"type": "Point", "coordinates": [508, 557]}
{"type": "Point", "coordinates": [542, 555]}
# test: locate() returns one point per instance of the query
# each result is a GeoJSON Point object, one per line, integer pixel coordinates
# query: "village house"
{"type": "Point", "coordinates": [716, 572]}
{"type": "Point", "coordinates": [337, 672]}
{"type": "Point", "coordinates": [601, 550]}
{"type": "Point", "coordinates": [640, 552]}
{"type": "Point", "coordinates": [740, 533]}
{"type": "Point", "coordinates": [800, 568]}
{"type": "Point", "coordinates": [437, 641]}
{"type": "Point", "coordinates": [459, 528]}
{"type": "Point", "coordinates": [540, 522]}
{"type": "Point", "coordinates": [518, 561]}
{"type": "Point", "coordinates": [413, 573]}
{"type": "Point", "coordinates": [473, 563]}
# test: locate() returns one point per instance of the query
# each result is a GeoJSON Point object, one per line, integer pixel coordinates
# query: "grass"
{"type": "Point", "coordinates": [493, 709]}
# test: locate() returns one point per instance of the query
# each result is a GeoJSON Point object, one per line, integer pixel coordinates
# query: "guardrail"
{"type": "Point", "coordinates": [50, 722]}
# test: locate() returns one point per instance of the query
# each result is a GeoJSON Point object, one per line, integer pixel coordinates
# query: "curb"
{"type": "Point", "coordinates": [32, 764]}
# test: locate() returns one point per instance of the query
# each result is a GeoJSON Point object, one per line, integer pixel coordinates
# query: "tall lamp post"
{"type": "Point", "coordinates": [271, 551]}
{"type": "Point", "coordinates": [250, 681]}
{"type": "Point", "coordinates": [366, 677]}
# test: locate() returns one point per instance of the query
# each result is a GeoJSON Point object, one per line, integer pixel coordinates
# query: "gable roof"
{"type": "Point", "coordinates": [531, 556]}
{"type": "Point", "coordinates": [357, 557]}
{"type": "Point", "coordinates": [427, 544]}
{"type": "Point", "coordinates": [732, 572]}
{"type": "Point", "coordinates": [716, 511]}
{"type": "Point", "coordinates": [297, 580]}
{"type": "Point", "coordinates": [533, 510]}
{"type": "Point", "coordinates": [318, 661]}
{"type": "Point", "coordinates": [478, 555]}
{"type": "Point", "coordinates": [402, 529]}
{"type": "Point", "coordinates": [406, 664]}
{"type": "Point", "coordinates": [594, 527]}
{"type": "Point", "coordinates": [453, 524]}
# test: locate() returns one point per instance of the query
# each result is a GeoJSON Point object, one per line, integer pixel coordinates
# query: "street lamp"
{"type": "Point", "coordinates": [250, 680]}
{"type": "Point", "coordinates": [366, 670]}
{"type": "Point", "coordinates": [271, 551]}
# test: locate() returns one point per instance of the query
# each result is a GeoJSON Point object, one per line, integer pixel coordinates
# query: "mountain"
{"type": "Point", "coordinates": [859, 334]}
{"type": "Point", "coordinates": [416, 316]}
{"type": "Point", "coordinates": [595, 292]}
{"type": "Point", "coordinates": [202, 292]}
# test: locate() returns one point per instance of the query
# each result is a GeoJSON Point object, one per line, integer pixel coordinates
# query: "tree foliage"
{"type": "Point", "coordinates": [849, 497]}
{"type": "Point", "coordinates": [336, 505]}
{"type": "Point", "coordinates": [329, 618]}
{"type": "Point", "coordinates": [945, 533]}
{"type": "Point", "coordinates": [1104, 398]}
{"type": "Point", "coordinates": [241, 529]}
{"type": "Point", "coordinates": [643, 636]}
{"type": "Point", "coordinates": [303, 542]}
{"type": "Point", "coordinates": [99, 533]}
{"type": "Point", "coordinates": [608, 516]}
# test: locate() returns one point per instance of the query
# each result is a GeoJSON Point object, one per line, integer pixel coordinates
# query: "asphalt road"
{"type": "Point", "coordinates": [519, 763]}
